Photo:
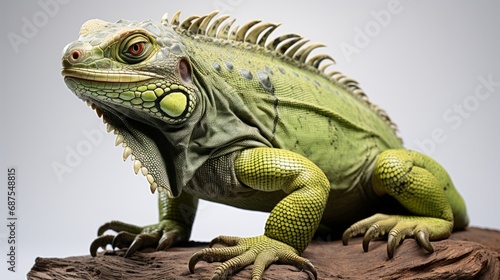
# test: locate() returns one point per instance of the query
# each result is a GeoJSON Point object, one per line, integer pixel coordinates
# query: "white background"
{"type": "Point", "coordinates": [420, 64]}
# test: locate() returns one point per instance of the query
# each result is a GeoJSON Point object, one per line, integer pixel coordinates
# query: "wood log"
{"type": "Point", "coordinates": [470, 254]}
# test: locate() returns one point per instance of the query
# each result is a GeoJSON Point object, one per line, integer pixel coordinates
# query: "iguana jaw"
{"type": "Point", "coordinates": [140, 138]}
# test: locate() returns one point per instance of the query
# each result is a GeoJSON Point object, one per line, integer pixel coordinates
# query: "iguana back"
{"type": "Point", "coordinates": [280, 88]}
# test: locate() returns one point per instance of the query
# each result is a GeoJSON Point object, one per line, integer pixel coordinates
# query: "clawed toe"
{"type": "Point", "coordinates": [100, 242]}
{"type": "Point", "coordinates": [241, 252]}
{"type": "Point", "coordinates": [396, 228]}
{"type": "Point", "coordinates": [160, 236]}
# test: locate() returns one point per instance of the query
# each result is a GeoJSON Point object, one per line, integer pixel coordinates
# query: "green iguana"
{"type": "Point", "coordinates": [208, 110]}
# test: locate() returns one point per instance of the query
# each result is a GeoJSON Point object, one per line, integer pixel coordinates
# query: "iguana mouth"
{"type": "Point", "coordinates": [108, 76]}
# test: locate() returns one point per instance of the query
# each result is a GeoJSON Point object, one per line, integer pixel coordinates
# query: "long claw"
{"type": "Point", "coordinates": [345, 240]}
{"type": "Point", "coordinates": [391, 246]}
{"type": "Point", "coordinates": [366, 243]}
{"type": "Point", "coordinates": [100, 242]}
{"type": "Point", "coordinates": [346, 236]}
{"type": "Point", "coordinates": [195, 258]}
{"type": "Point", "coordinates": [311, 269]}
{"type": "Point", "coordinates": [136, 245]}
{"type": "Point", "coordinates": [166, 241]}
{"type": "Point", "coordinates": [301, 263]}
{"type": "Point", "coordinates": [372, 233]}
{"type": "Point", "coordinates": [142, 241]}
{"type": "Point", "coordinates": [423, 239]}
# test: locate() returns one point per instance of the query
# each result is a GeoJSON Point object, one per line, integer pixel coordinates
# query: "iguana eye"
{"type": "Point", "coordinates": [135, 48]}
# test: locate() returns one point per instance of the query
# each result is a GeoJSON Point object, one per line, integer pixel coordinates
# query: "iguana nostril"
{"type": "Point", "coordinates": [75, 55]}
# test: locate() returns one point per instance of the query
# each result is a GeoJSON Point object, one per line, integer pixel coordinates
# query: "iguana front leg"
{"type": "Point", "coordinates": [176, 218]}
{"type": "Point", "coordinates": [424, 188]}
{"type": "Point", "coordinates": [291, 223]}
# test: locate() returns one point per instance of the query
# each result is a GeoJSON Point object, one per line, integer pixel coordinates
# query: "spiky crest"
{"type": "Point", "coordinates": [289, 46]}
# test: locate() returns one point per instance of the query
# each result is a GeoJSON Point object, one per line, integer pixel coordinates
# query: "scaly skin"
{"type": "Point", "coordinates": [228, 115]}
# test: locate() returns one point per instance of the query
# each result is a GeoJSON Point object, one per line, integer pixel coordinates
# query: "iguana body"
{"type": "Point", "coordinates": [228, 115]}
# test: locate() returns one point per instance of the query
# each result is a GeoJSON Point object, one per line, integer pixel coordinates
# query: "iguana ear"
{"type": "Point", "coordinates": [185, 71]}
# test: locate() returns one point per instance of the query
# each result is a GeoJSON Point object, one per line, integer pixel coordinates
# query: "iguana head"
{"type": "Point", "coordinates": [138, 77]}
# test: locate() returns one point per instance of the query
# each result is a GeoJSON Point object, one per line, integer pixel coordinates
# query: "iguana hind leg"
{"type": "Point", "coordinates": [424, 188]}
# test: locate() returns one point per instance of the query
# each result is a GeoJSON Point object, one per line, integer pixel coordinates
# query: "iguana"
{"type": "Point", "coordinates": [208, 110]}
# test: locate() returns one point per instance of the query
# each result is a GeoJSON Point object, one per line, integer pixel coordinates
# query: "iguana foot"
{"type": "Point", "coordinates": [162, 236]}
{"type": "Point", "coordinates": [262, 251]}
{"type": "Point", "coordinates": [397, 228]}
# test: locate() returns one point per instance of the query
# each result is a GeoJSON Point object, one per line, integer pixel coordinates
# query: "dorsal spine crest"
{"type": "Point", "coordinates": [291, 47]}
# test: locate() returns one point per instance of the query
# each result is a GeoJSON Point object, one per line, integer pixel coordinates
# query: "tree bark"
{"type": "Point", "coordinates": [470, 254]}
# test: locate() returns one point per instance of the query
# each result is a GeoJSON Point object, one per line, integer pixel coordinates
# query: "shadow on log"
{"type": "Point", "coordinates": [470, 254]}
